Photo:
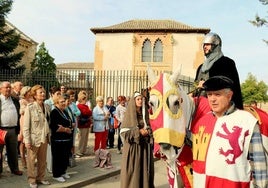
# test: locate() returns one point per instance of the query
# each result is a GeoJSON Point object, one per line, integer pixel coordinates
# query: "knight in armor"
{"type": "Point", "coordinates": [227, 144]}
{"type": "Point", "coordinates": [217, 64]}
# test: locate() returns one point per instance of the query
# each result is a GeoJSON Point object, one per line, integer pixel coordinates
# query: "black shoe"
{"type": "Point", "coordinates": [17, 172]}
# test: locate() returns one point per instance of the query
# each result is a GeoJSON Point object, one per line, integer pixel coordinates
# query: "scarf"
{"type": "Point", "coordinates": [130, 117]}
{"type": "Point", "coordinates": [211, 58]}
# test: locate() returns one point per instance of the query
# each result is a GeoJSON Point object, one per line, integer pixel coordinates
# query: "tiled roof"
{"type": "Point", "coordinates": [149, 26]}
{"type": "Point", "coordinates": [72, 65]}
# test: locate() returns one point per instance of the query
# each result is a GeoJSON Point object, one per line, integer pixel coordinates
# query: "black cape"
{"type": "Point", "coordinates": [225, 67]}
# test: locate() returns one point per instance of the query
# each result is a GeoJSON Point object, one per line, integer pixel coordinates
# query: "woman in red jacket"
{"type": "Point", "coordinates": [84, 123]}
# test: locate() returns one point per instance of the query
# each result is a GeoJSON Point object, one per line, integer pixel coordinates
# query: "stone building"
{"type": "Point", "coordinates": [26, 44]}
{"type": "Point", "coordinates": [75, 75]}
{"type": "Point", "coordinates": [165, 44]}
{"type": "Point", "coordinates": [79, 66]}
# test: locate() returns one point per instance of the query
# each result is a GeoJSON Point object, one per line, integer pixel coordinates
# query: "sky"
{"type": "Point", "coordinates": [64, 25]}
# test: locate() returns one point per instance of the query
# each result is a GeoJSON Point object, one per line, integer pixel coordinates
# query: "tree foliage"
{"type": "Point", "coordinates": [9, 41]}
{"type": "Point", "coordinates": [252, 90]}
{"type": "Point", "coordinates": [260, 21]}
{"type": "Point", "coordinates": [43, 61]}
{"type": "Point", "coordinates": [42, 67]}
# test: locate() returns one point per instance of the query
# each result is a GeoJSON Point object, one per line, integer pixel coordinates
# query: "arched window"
{"type": "Point", "coordinates": [146, 51]}
{"type": "Point", "coordinates": [158, 51]}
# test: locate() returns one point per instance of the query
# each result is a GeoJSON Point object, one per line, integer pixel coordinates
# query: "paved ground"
{"type": "Point", "coordinates": [82, 174]}
{"type": "Point", "coordinates": [160, 180]}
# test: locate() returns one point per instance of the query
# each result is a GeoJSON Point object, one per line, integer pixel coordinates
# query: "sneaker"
{"type": "Point", "coordinates": [86, 154]}
{"type": "Point", "coordinates": [59, 179]}
{"type": "Point", "coordinates": [33, 185]}
{"type": "Point", "coordinates": [66, 176]}
{"type": "Point", "coordinates": [79, 154]}
{"type": "Point", "coordinates": [119, 152]}
{"type": "Point", "coordinates": [44, 182]}
{"type": "Point", "coordinates": [108, 166]}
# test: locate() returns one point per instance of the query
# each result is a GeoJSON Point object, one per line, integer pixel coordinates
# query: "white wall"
{"type": "Point", "coordinates": [186, 46]}
{"type": "Point", "coordinates": [117, 50]}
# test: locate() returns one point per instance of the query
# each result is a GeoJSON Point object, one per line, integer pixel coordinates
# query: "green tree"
{"type": "Point", "coordinates": [9, 41]}
{"type": "Point", "coordinates": [43, 61]}
{"type": "Point", "coordinates": [260, 21]}
{"type": "Point", "coordinates": [43, 69]}
{"type": "Point", "coordinates": [252, 90]}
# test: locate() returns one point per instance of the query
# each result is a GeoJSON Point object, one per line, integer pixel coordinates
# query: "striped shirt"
{"type": "Point", "coordinates": [258, 160]}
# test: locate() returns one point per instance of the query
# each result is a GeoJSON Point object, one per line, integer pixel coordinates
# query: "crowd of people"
{"type": "Point", "coordinates": [43, 131]}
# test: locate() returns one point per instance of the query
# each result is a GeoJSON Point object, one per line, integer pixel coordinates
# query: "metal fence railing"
{"type": "Point", "coordinates": [105, 83]}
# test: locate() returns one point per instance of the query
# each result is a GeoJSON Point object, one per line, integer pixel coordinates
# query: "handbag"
{"type": "Point", "coordinates": [103, 159]}
{"type": "Point", "coordinates": [91, 129]}
{"type": "Point", "coordinates": [2, 136]}
{"type": "Point", "coordinates": [82, 120]}
{"type": "Point", "coordinates": [72, 162]}
{"type": "Point", "coordinates": [116, 123]}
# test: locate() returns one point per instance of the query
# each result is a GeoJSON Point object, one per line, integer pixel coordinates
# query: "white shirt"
{"type": "Point", "coordinates": [9, 116]}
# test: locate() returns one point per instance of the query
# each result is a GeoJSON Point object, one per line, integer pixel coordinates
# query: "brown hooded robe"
{"type": "Point", "coordinates": [137, 166]}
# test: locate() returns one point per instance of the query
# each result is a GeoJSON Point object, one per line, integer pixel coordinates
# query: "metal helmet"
{"type": "Point", "coordinates": [212, 38]}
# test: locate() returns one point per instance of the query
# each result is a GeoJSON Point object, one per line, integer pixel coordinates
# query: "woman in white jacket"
{"type": "Point", "coordinates": [100, 124]}
{"type": "Point", "coordinates": [36, 136]}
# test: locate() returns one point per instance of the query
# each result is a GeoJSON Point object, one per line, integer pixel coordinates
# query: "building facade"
{"type": "Point", "coordinates": [26, 44]}
{"type": "Point", "coordinates": [75, 75]}
{"type": "Point", "coordinates": [164, 44]}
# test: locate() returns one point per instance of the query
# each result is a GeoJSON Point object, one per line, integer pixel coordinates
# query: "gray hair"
{"type": "Point", "coordinates": [227, 90]}
{"type": "Point", "coordinates": [99, 98]}
{"type": "Point", "coordinates": [3, 83]}
{"type": "Point", "coordinates": [24, 91]}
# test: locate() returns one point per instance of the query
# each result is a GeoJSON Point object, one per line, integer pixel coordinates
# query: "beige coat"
{"type": "Point", "coordinates": [36, 126]}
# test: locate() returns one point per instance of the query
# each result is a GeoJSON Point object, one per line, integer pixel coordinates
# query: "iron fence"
{"type": "Point", "coordinates": [104, 83]}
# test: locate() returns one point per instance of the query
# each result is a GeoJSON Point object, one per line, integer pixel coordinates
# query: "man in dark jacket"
{"type": "Point", "coordinates": [216, 64]}
{"type": "Point", "coordinates": [110, 106]}
{"type": "Point", "coordinates": [17, 86]}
